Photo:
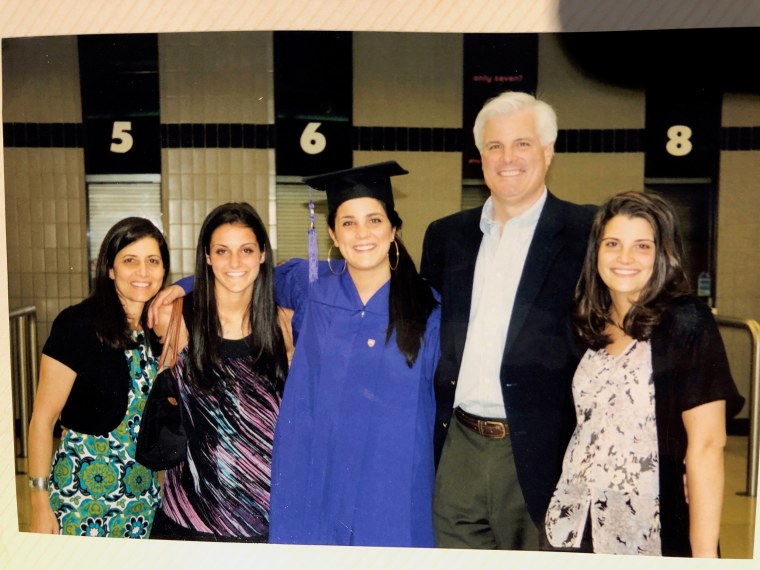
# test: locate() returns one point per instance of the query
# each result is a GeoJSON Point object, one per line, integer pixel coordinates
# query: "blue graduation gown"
{"type": "Point", "coordinates": [353, 447]}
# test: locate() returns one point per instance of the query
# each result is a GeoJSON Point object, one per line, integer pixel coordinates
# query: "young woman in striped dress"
{"type": "Point", "coordinates": [230, 376]}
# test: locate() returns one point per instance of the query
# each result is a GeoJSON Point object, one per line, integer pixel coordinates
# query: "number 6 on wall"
{"type": "Point", "coordinates": [312, 141]}
{"type": "Point", "coordinates": [121, 139]}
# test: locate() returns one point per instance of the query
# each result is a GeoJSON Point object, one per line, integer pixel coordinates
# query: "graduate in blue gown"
{"type": "Point", "coordinates": [353, 448]}
{"type": "Point", "coordinates": [353, 451]}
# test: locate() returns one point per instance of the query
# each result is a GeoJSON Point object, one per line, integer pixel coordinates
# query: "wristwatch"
{"type": "Point", "coordinates": [39, 483]}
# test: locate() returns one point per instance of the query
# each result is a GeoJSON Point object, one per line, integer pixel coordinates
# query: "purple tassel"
{"type": "Point", "coordinates": [312, 240]}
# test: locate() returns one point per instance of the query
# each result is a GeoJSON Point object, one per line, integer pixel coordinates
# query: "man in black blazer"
{"type": "Point", "coordinates": [506, 273]}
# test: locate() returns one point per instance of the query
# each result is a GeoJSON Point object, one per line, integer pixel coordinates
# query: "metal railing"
{"type": "Point", "coordinates": [23, 329]}
{"type": "Point", "coordinates": [753, 441]}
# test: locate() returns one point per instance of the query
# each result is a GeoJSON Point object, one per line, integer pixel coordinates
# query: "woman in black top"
{"type": "Point", "coordinates": [96, 370]}
{"type": "Point", "coordinates": [652, 394]}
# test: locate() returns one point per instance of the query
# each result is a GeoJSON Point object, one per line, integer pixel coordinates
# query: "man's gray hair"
{"type": "Point", "coordinates": [511, 103]}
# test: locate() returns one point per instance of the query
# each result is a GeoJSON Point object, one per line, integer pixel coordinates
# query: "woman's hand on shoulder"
{"type": "Point", "coordinates": [163, 299]}
{"type": "Point", "coordinates": [161, 320]}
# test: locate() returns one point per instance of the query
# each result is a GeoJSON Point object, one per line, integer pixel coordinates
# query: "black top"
{"type": "Point", "coordinates": [239, 348]}
{"type": "Point", "coordinates": [98, 399]}
{"type": "Point", "coordinates": [689, 368]}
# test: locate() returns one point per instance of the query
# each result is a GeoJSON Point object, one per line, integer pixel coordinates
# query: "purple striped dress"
{"type": "Point", "coordinates": [222, 488]}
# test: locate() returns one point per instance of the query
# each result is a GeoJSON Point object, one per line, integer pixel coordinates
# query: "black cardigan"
{"type": "Point", "coordinates": [98, 399]}
{"type": "Point", "coordinates": [689, 368]}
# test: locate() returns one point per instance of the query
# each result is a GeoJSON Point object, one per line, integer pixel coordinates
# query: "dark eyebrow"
{"type": "Point", "coordinates": [351, 216]}
{"type": "Point", "coordinates": [635, 241]}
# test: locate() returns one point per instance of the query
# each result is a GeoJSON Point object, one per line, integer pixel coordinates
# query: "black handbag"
{"type": "Point", "coordinates": [162, 441]}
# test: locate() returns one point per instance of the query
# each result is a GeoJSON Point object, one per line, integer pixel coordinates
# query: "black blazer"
{"type": "Point", "coordinates": [540, 355]}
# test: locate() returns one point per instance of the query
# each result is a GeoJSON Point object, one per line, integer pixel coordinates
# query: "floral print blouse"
{"type": "Point", "coordinates": [610, 470]}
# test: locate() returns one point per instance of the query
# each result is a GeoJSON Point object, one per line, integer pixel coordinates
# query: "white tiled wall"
{"type": "Point", "coordinates": [195, 181]}
{"type": "Point", "coordinates": [212, 78]}
{"type": "Point", "coordinates": [219, 77]}
{"type": "Point", "coordinates": [44, 187]}
{"type": "Point", "coordinates": [406, 80]}
{"type": "Point", "coordinates": [41, 80]}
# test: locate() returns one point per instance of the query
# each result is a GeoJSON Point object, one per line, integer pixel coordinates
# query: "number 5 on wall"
{"type": "Point", "coordinates": [121, 139]}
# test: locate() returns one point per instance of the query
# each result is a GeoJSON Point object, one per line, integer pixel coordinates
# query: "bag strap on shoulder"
{"type": "Point", "coordinates": [170, 350]}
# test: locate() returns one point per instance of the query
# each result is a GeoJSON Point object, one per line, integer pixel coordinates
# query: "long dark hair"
{"type": "Point", "coordinates": [410, 300]}
{"type": "Point", "coordinates": [111, 326]}
{"type": "Point", "coordinates": [668, 280]}
{"type": "Point", "coordinates": [266, 341]}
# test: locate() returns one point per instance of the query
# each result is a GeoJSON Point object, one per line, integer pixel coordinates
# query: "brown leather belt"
{"type": "Point", "coordinates": [487, 428]}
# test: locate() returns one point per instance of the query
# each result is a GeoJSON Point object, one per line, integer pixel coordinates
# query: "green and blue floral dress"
{"type": "Point", "coordinates": [97, 488]}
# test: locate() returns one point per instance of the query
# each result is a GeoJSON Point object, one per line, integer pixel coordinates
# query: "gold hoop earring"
{"type": "Point", "coordinates": [329, 263]}
{"type": "Point", "coordinates": [394, 267]}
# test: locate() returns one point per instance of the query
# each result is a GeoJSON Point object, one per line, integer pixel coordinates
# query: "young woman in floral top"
{"type": "Point", "coordinates": [651, 395]}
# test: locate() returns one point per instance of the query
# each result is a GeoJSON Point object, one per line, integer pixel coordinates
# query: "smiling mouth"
{"type": "Point", "coordinates": [236, 274]}
{"type": "Point", "coordinates": [140, 285]}
{"type": "Point", "coordinates": [625, 272]}
{"type": "Point", "coordinates": [363, 248]}
{"type": "Point", "coordinates": [509, 173]}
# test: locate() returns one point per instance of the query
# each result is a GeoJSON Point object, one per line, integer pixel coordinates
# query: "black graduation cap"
{"type": "Point", "coordinates": [371, 181]}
